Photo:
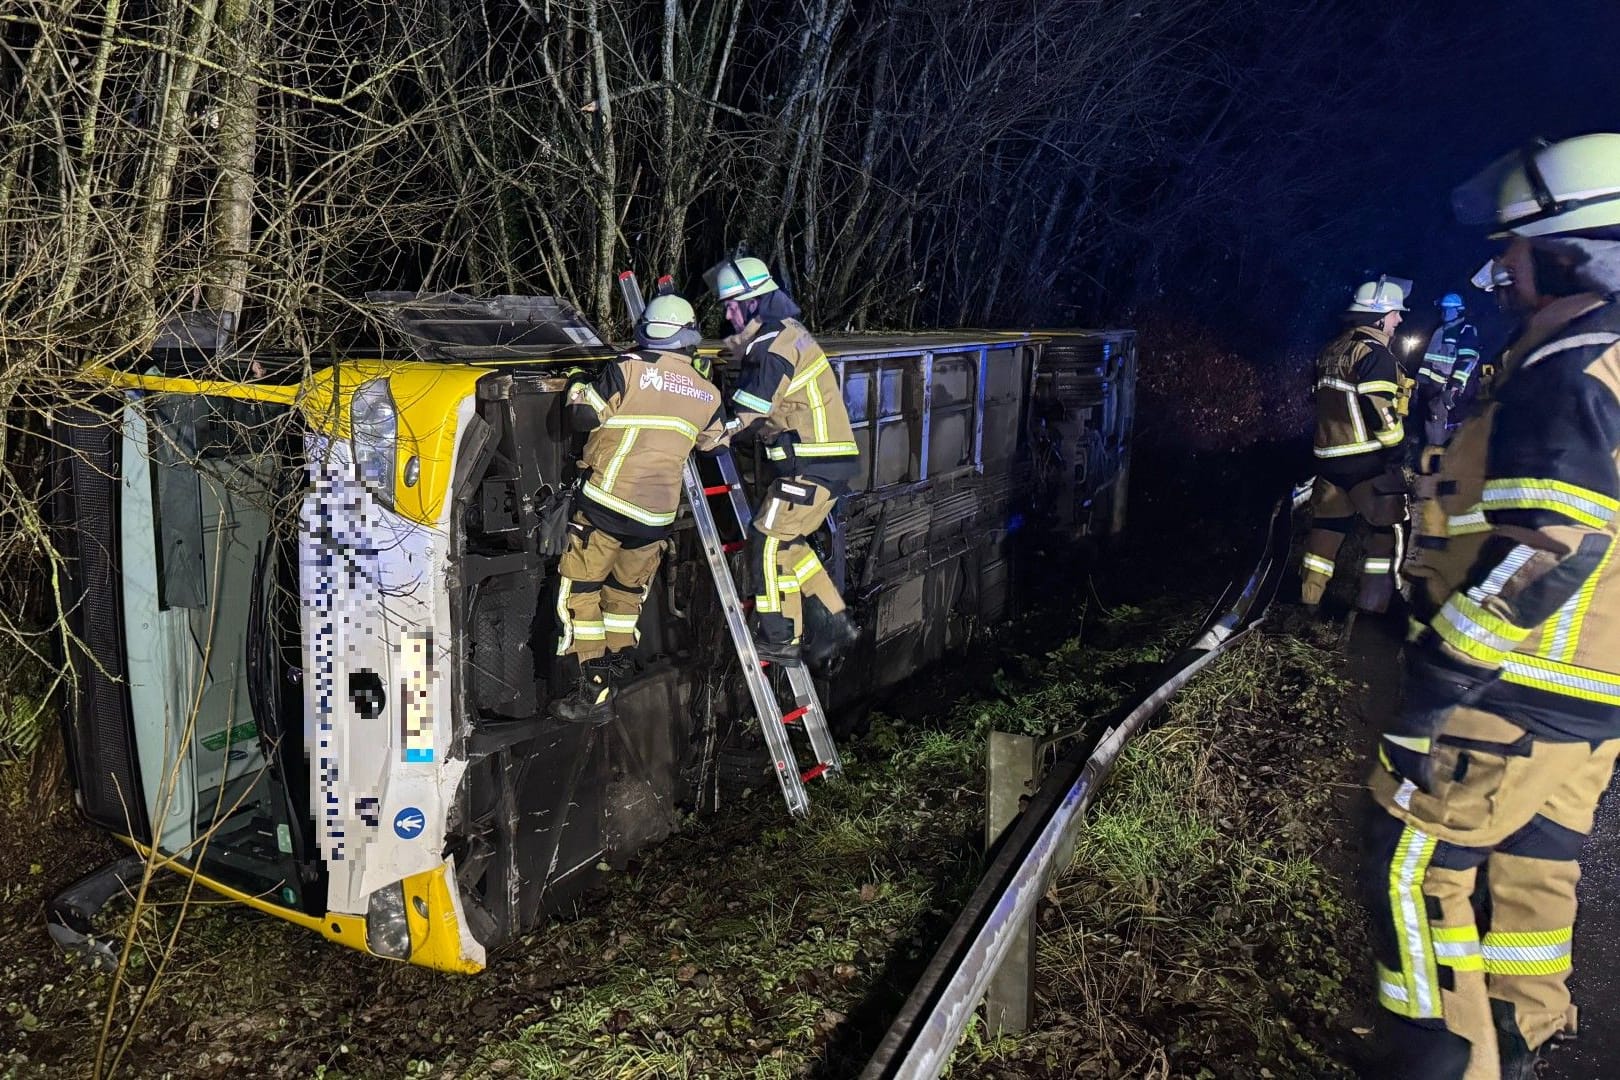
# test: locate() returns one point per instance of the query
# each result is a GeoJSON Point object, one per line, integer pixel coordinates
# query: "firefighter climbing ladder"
{"type": "Point", "coordinates": [776, 725]}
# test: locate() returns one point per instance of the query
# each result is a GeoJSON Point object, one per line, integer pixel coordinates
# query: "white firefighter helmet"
{"type": "Point", "coordinates": [1547, 189]}
{"type": "Point", "coordinates": [1381, 296]}
{"type": "Point", "coordinates": [665, 316]}
{"type": "Point", "coordinates": [740, 279]}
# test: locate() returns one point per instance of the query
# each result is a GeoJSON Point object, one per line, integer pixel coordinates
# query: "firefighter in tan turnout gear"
{"type": "Point", "coordinates": [1358, 448]}
{"type": "Point", "coordinates": [1510, 718]}
{"type": "Point", "coordinates": [789, 396]}
{"type": "Point", "coordinates": [645, 412]}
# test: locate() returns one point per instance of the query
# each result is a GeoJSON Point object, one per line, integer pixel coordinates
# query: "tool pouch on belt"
{"type": "Point", "coordinates": [1404, 386]}
{"type": "Point", "coordinates": [554, 515]}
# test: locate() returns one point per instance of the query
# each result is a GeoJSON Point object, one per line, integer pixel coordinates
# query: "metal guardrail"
{"type": "Point", "coordinates": [930, 1024]}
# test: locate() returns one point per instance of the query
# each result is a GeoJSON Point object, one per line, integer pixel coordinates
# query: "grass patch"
{"type": "Point", "coordinates": [1200, 931]}
{"type": "Point", "coordinates": [751, 946]}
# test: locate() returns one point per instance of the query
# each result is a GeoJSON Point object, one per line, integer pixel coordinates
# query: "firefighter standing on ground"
{"type": "Point", "coordinates": [1449, 375]}
{"type": "Point", "coordinates": [1357, 447]}
{"type": "Point", "coordinates": [788, 392]}
{"type": "Point", "coordinates": [645, 412]}
{"type": "Point", "coordinates": [1510, 720]}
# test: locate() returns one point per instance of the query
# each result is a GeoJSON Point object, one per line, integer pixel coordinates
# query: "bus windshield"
{"type": "Point", "coordinates": [209, 497]}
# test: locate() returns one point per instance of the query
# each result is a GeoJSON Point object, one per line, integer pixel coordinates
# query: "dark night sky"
{"type": "Point", "coordinates": [1517, 69]}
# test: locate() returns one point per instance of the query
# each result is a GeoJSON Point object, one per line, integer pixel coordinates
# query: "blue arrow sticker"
{"type": "Point", "coordinates": [408, 823]}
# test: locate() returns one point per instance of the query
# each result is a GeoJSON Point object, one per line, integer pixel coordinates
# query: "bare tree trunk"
{"type": "Point", "coordinates": [76, 220]}
{"type": "Point", "coordinates": [242, 30]}
{"type": "Point", "coordinates": [606, 194]}
{"type": "Point", "coordinates": [666, 254]}
{"type": "Point", "coordinates": [806, 103]}
{"type": "Point", "coordinates": [160, 180]}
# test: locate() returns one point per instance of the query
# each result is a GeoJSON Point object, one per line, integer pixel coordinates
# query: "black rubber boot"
{"type": "Point", "coordinates": [776, 638]}
{"type": "Point", "coordinates": [1518, 1060]}
{"type": "Point", "coordinates": [623, 668]}
{"type": "Point", "coordinates": [830, 637]}
{"type": "Point", "coordinates": [785, 653]}
{"type": "Point", "coordinates": [592, 700]}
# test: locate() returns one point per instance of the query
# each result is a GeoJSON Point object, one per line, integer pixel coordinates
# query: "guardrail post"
{"type": "Point", "coordinates": [1010, 998]}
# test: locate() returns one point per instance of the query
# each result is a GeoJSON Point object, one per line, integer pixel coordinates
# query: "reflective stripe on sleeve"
{"type": "Point", "coordinates": [1471, 630]}
{"type": "Point", "coordinates": [1458, 948]}
{"type": "Point", "coordinates": [1576, 503]}
{"type": "Point", "coordinates": [1511, 564]}
{"type": "Point", "coordinates": [750, 402]}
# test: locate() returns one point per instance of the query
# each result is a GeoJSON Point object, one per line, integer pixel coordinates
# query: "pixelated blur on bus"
{"type": "Point", "coordinates": [315, 633]}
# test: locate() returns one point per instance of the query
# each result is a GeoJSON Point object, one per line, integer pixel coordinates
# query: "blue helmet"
{"type": "Point", "coordinates": [1451, 300]}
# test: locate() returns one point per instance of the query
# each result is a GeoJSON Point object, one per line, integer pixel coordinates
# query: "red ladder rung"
{"type": "Point", "coordinates": [795, 714]}
{"type": "Point", "coordinates": [718, 489]}
{"type": "Point", "coordinates": [812, 772]}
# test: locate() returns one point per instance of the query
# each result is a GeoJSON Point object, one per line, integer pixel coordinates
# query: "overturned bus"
{"type": "Point", "coordinates": [314, 638]}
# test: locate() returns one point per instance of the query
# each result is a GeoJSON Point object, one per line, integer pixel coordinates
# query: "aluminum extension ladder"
{"type": "Point", "coordinates": [773, 722]}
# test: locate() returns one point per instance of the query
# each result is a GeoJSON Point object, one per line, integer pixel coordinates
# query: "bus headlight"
{"type": "Point", "coordinates": [374, 433]}
{"type": "Point", "coordinates": [388, 933]}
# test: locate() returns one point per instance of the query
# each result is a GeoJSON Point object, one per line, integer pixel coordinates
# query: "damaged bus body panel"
{"type": "Point", "coordinates": [315, 641]}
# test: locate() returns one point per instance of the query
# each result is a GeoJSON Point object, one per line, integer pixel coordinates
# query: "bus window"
{"type": "Point", "coordinates": [951, 413]}
{"type": "Point", "coordinates": [896, 457]}
{"type": "Point", "coordinates": [858, 400]}
{"type": "Point", "coordinates": [1005, 372]}
{"type": "Point", "coordinates": [884, 401]}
